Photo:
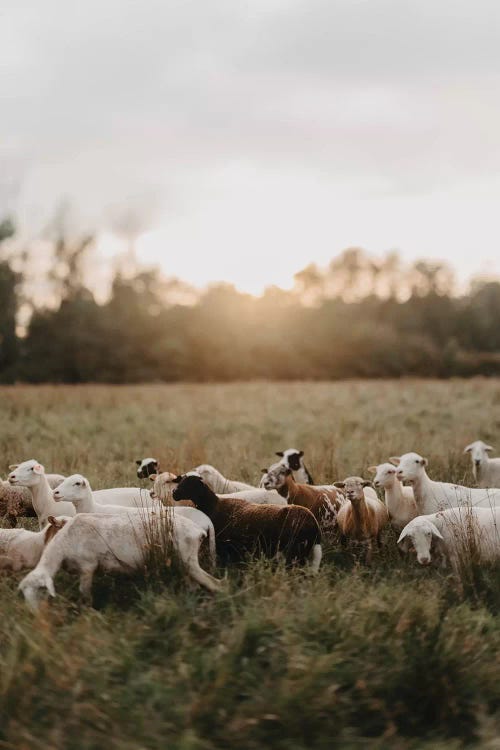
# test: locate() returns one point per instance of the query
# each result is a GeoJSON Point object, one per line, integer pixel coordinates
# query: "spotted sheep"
{"type": "Point", "coordinates": [294, 460]}
{"type": "Point", "coordinates": [146, 467]}
{"type": "Point", "coordinates": [322, 502]}
{"type": "Point", "coordinates": [362, 517]}
{"type": "Point", "coordinates": [243, 528]}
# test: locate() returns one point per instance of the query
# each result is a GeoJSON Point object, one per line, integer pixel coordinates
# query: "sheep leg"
{"type": "Point", "coordinates": [211, 548]}
{"type": "Point", "coordinates": [315, 558]}
{"type": "Point", "coordinates": [201, 576]}
{"type": "Point", "coordinates": [86, 577]}
{"type": "Point", "coordinates": [369, 552]}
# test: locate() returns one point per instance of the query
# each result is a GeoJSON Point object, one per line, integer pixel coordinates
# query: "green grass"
{"type": "Point", "coordinates": [395, 656]}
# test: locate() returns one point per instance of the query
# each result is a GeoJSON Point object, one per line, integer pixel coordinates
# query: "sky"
{"type": "Point", "coordinates": [241, 141]}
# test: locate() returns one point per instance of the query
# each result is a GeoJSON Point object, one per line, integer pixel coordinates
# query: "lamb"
{"type": "Point", "coordinates": [293, 459]}
{"type": "Point", "coordinates": [486, 470]}
{"type": "Point", "coordinates": [20, 548]}
{"type": "Point", "coordinates": [114, 544]}
{"type": "Point", "coordinates": [432, 496]}
{"type": "Point", "coordinates": [31, 474]}
{"type": "Point", "coordinates": [323, 503]}
{"type": "Point", "coordinates": [362, 517]}
{"type": "Point", "coordinates": [399, 500]}
{"type": "Point", "coordinates": [457, 534]}
{"type": "Point", "coordinates": [76, 489]}
{"type": "Point", "coordinates": [147, 467]}
{"type": "Point", "coordinates": [164, 485]}
{"type": "Point", "coordinates": [242, 527]}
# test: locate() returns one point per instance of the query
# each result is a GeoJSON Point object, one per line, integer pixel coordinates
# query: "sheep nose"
{"type": "Point", "coordinates": [477, 462]}
{"type": "Point", "coordinates": [424, 560]}
{"type": "Point", "coordinates": [376, 483]}
{"type": "Point", "coordinates": [399, 474]}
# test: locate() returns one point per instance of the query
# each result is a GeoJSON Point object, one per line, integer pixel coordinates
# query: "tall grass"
{"type": "Point", "coordinates": [395, 656]}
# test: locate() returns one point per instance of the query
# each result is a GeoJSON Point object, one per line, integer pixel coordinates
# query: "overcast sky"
{"type": "Point", "coordinates": [244, 140]}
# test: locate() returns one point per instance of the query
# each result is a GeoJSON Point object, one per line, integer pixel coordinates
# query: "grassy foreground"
{"type": "Point", "coordinates": [391, 657]}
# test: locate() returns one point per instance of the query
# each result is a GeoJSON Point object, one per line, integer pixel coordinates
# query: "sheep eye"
{"type": "Point", "coordinates": [77, 484]}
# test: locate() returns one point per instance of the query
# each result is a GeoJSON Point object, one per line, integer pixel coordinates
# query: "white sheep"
{"type": "Point", "coordinates": [461, 534]}
{"type": "Point", "coordinates": [218, 482]}
{"type": "Point", "coordinates": [399, 500]}
{"type": "Point", "coordinates": [31, 474]}
{"type": "Point", "coordinates": [486, 470]}
{"type": "Point", "coordinates": [76, 489]}
{"type": "Point", "coordinates": [54, 480]}
{"type": "Point", "coordinates": [20, 548]}
{"type": "Point", "coordinates": [431, 496]}
{"type": "Point", "coordinates": [115, 544]}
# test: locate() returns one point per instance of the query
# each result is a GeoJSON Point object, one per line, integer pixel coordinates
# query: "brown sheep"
{"type": "Point", "coordinates": [323, 502]}
{"type": "Point", "coordinates": [242, 527]}
{"type": "Point", "coordinates": [15, 502]}
{"type": "Point", "coordinates": [362, 517]}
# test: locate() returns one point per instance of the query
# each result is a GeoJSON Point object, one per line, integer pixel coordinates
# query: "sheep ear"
{"type": "Point", "coordinates": [177, 479]}
{"type": "Point", "coordinates": [280, 453]}
{"type": "Point", "coordinates": [468, 449]}
{"type": "Point", "coordinates": [152, 477]}
{"type": "Point", "coordinates": [264, 471]}
{"type": "Point", "coordinates": [488, 448]}
{"type": "Point", "coordinates": [403, 534]}
{"type": "Point", "coordinates": [138, 461]}
{"type": "Point", "coordinates": [372, 469]}
{"type": "Point", "coordinates": [301, 453]}
{"type": "Point", "coordinates": [340, 485]}
{"type": "Point", "coordinates": [13, 466]}
{"type": "Point", "coordinates": [38, 469]}
{"type": "Point", "coordinates": [424, 462]}
{"type": "Point", "coordinates": [436, 532]}
{"type": "Point", "coordinates": [367, 483]}
{"type": "Point", "coordinates": [395, 460]}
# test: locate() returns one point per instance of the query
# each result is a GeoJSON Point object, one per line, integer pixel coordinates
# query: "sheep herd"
{"type": "Point", "coordinates": [287, 516]}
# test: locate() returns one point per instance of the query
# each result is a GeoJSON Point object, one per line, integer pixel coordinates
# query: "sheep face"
{"type": "Point", "coordinates": [385, 475]}
{"type": "Point", "coordinates": [146, 467]}
{"type": "Point", "coordinates": [275, 477]}
{"type": "Point", "coordinates": [35, 587]}
{"type": "Point", "coordinates": [72, 489]}
{"type": "Point", "coordinates": [189, 487]}
{"type": "Point", "coordinates": [354, 488]}
{"type": "Point", "coordinates": [479, 452]}
{"type": "Point", "coordinates": [291, 458]}
{"type": "Point", "coordinates": [26, 474]}
{"type": "Point", "coordinates": [420, 534]}
{"type": "Point", "coordinates": [163, 485]}
{"type": "Point", "coordinates": [410, 467]}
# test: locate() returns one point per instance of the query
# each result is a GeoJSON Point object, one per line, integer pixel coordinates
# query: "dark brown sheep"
{"type": "Point", "coordinates": [242, 527]}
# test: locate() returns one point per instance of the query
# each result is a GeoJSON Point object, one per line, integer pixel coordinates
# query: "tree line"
{"type": "Point", "coordinates": [359, 317]}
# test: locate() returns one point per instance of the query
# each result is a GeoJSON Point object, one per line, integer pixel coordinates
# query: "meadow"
{"type": "Point", "coordinates": [394, 656]}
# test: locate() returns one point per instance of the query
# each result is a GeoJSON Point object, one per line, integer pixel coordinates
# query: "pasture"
{"type": "Point", "coordinates": [393, 656]}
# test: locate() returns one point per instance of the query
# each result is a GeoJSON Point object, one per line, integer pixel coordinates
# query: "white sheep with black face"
{"type": "Point", "coordinates": [146, 467]}
{"type": "Point", "coordinates": [294, 459]}
{"type": "Point", "coordinates": [432, 496]}
{"type": "Point", "coordinates": [486, 470]}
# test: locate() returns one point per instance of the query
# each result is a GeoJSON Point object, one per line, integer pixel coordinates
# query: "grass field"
{"type": "Point", "coordinates": [390, 657]}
